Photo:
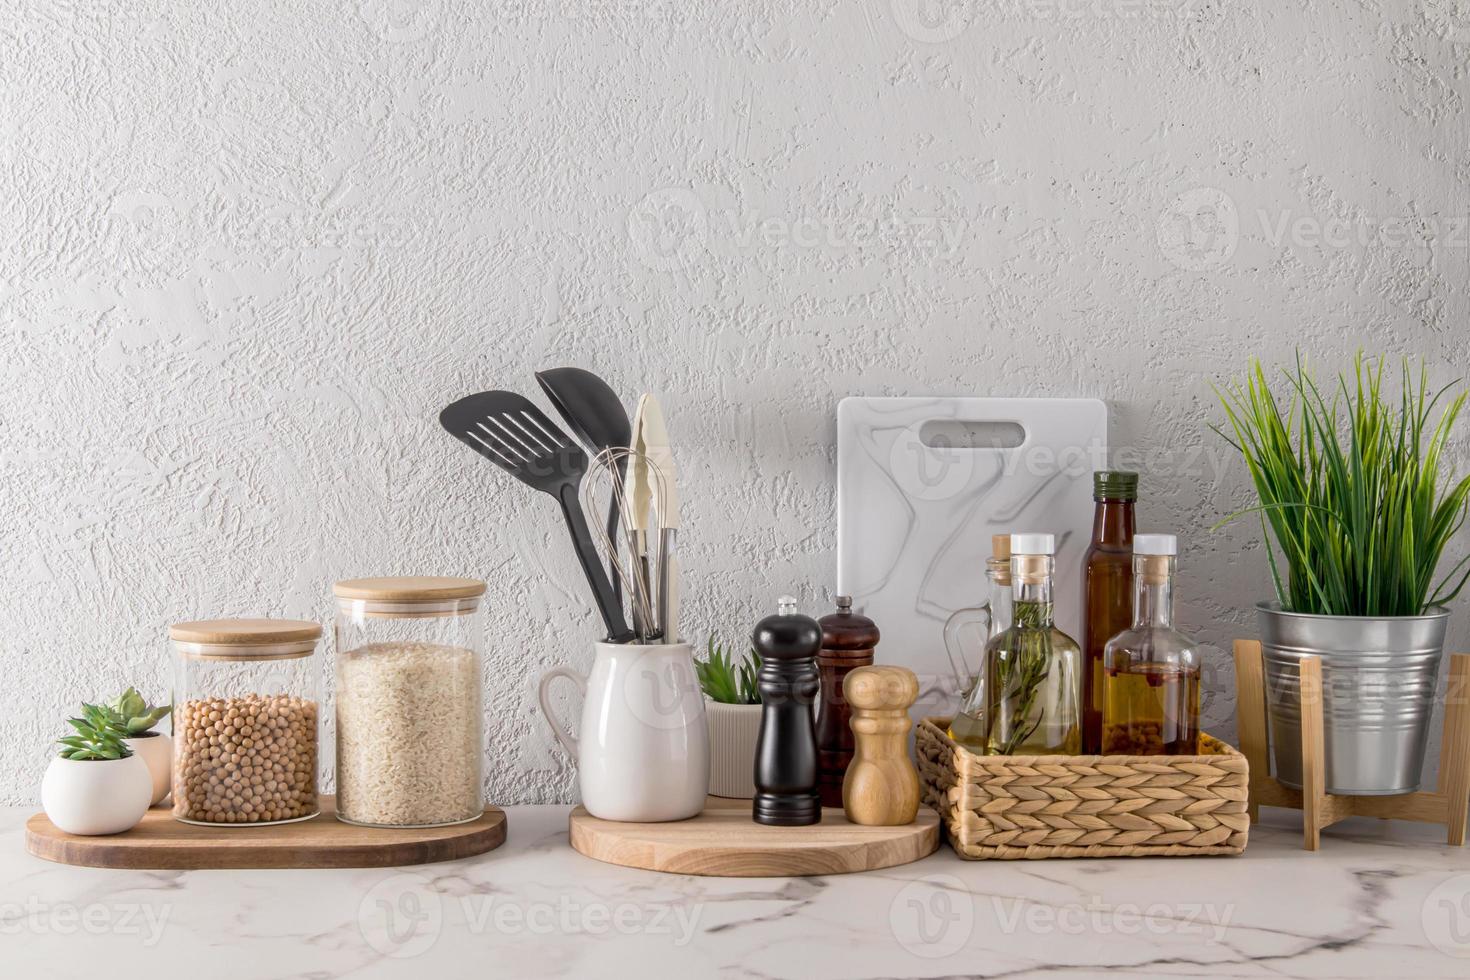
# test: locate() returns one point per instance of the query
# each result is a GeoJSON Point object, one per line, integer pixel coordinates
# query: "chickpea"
{"type": "Point", "coordinates": [245, 760]}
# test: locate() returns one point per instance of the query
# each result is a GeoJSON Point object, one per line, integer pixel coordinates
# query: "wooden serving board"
{"type": "Point", "coordinates": [724, 842]}
{"type": "Point", "coordinates": [162, 843]}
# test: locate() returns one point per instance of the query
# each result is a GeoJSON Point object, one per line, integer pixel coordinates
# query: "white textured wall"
{"type": "Point", "coordinates": [248, 250]}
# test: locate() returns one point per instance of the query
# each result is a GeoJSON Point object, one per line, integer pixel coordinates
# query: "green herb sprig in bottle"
{"type": "Point", "coordinates": [1027, 699]}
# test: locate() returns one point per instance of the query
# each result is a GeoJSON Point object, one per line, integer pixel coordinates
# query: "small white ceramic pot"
{"type": "Point", "coordinates": [105, 796]}
{"type": "Point", "coordinates": [733, 729]}
{"type": "Point", "coordinates": [157, 752]}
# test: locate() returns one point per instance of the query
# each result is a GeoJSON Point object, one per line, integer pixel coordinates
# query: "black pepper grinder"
{"type": "Point", "coordinates": [786, 749]}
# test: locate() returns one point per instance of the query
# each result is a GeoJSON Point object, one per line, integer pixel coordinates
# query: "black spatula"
{"type": "Point", "coordinates": [515, 435]}
{"type": "Point", "coordinates": [595, 414]}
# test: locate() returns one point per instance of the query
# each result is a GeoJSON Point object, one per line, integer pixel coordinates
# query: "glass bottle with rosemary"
{"type": "Point", "coordinates": [1151, 670]}
{"type": "Point", "coordinates": [1027, 699]}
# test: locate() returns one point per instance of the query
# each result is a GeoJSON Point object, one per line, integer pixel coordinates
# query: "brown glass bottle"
{"type": "Point", "coordinates": [1107, 589]}
{"type": "Point", "coordinates": [848, 640]}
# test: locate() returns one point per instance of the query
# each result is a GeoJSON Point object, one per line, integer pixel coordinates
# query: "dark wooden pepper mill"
{"type": "Point", "coordinates": [786, 748]}
{"type": "Point", "coordinates": [848, 639]}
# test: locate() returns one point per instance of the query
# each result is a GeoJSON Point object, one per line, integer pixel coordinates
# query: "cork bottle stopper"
{"type": "Point", "coordinates": [1155, 569]}
{"type": "Point", "coordinates": [1153, 556]}
{"type": "Point", "coordinates": [999, 564]}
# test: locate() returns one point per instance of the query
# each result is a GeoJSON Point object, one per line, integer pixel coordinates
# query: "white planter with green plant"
{"type": "Point", "coordinates": [155, 748]}
{"type": "Point", "coordinates": [1352, 490]}
{"type": "Point", "coordinates": [733, 711]}
{"type": "Point", "coordinates": [97, 785]}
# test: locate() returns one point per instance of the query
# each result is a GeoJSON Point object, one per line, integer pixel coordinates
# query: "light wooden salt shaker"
{"type": "Point", "coordinates": [881, 788]}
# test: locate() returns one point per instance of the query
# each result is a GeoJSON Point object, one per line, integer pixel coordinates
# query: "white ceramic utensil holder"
{"type": "Point", "coordinates": [643, 752]}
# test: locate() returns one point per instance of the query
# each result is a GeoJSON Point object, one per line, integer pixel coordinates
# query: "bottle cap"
{"type": "Point", "coordinates": [1155, 544]}
{"type": "Point", "coordinates": [786, 605]}
{"type": "Point", "coordinates": [1033, 543]}
{"type": "Point", "coordinates": [1114, 485]}
{"type": "Point", "coordinates": [844, 603]}
{"type": "Point", "coordinates": [1000, 547]}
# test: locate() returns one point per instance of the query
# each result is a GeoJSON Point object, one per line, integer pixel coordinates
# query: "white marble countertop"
{"type": "Point", "coordinates": [1380, 899]}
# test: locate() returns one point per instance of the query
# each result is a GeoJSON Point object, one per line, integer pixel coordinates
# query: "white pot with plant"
{"type": "Point", "coordinates": [1353, 493]}
{"type": "Point", "coordinates": [155, 748]}
{"type": "Point", "coordinates": [97, 785]}
{"type": "Point", "coordinates": [733, 711]}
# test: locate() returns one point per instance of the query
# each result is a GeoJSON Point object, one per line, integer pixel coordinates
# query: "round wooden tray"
{"type": "Point", "coordinates": [724, 842]}
{"type": "Point", "coordinates": [161, 842]}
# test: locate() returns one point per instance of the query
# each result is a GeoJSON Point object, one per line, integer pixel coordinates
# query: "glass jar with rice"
{"type": "Point", "coordinates": [408, 704]}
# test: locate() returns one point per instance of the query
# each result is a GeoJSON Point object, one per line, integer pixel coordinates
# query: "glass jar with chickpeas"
{"type": "Point", "coordinates": [246, 695]}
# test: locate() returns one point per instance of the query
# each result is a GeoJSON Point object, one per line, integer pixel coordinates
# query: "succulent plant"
{"type": "Point", "coordinates": [137, 717]}
{"type": "Point", "coordinates": [724, 681]}
{"type": "Point", "coordinates": [99, 736]}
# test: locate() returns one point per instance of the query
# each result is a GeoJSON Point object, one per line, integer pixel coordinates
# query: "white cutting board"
{"type": "Point", "coordinates": [914, 520]}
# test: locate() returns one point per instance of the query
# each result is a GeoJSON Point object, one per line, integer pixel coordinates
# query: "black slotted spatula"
{"type": "Point", "coordinates": [595, 414]}
{"type": "Point", "coordinates": [515, 435]}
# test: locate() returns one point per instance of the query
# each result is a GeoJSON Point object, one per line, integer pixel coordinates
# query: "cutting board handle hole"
{"type": "Point", "coordinates": [971, 434]}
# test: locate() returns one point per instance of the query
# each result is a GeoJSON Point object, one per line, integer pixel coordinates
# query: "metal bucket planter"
{"type": "Point", "coordinates": [1378, 684]}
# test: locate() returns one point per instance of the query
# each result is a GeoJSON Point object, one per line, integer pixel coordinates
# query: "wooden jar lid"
{"type": "Point", "coordinates": [246, 639]}
{"type": "Point", "coordinates": [409, 588]}
{"type": "Point", "coordinates": [245, 632]}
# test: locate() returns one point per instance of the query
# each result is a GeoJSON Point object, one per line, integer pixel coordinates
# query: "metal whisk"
{"type": "Point", "coordinates": [629, 559]}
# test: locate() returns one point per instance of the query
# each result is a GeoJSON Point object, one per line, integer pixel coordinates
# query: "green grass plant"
{"type": "Point", "coordinates": [1352, 488]}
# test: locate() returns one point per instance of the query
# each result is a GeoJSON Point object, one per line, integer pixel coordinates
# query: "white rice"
{"type": "Point", "coordinates": [408, 734]}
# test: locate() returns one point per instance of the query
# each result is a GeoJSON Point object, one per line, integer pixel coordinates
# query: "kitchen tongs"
{"type": "Point", "coordinates": [652, 487]}
{"type": "Point", "coordinates": [515, 435]}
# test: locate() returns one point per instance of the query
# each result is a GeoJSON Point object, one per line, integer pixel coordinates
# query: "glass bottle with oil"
{"type": "Point", "coordinates": [1151, 671]}
{"type": "Point", "coordinates": [1027, 696]}
{"type": "Point", "coordinates": [1107, 590]}
{"type": "Point", "coordinates": [985, 621]}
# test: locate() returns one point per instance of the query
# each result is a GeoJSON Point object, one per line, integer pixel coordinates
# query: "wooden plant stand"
{"type": "Point", "coordinates": [1446, 806]}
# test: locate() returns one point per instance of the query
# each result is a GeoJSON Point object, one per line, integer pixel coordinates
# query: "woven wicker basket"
{"type": "Point", "coordinates": [1050, 806]}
